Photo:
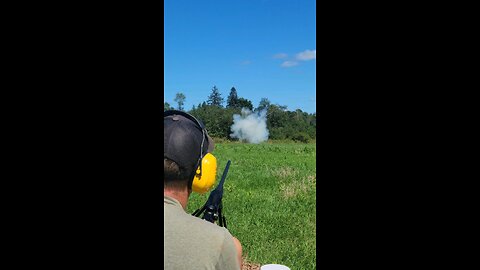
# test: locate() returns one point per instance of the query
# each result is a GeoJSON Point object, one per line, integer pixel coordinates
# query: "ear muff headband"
{"type": "Point", "coordinates": [200, 182]}
{"type": "Point", "coordinates": [186, 115]}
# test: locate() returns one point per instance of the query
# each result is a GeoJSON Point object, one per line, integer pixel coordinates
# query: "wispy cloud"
{"type": "Point", "coordinates": [289, 63]}
{"type": "Point", "coordinates": [280, 56]}
{"type": "Point", "coordinates": [307, 55]}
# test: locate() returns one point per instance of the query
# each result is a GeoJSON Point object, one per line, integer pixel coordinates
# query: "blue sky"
{"type": "Point", "coordinates": [264, 48]}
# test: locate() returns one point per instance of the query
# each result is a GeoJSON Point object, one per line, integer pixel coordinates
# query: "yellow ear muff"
{"type": "Point", "coordinates": [203, 183]}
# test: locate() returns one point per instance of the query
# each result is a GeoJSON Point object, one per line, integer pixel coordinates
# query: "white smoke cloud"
{"type": "Point", "coordinates": [249, 126]}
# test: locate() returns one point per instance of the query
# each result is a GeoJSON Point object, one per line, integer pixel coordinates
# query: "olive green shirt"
{"type": "Point", "coordinates": [194, 243]}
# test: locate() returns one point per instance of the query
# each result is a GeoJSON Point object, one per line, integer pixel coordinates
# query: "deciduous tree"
{"type": "Point", "coordinates": [180, 99]}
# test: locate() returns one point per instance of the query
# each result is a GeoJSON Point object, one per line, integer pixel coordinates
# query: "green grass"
{"type": "Point", "coordinates": [269, 200]}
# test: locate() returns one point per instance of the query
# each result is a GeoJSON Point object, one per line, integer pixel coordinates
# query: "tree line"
{"type": "Point", "coordinates": [282, 124]}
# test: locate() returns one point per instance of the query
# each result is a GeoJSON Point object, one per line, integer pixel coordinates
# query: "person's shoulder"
{"type": "Point", "coordinates": [206, 226]}
{"type": "Point", "coordinates": [203, 229]}
{"type": "Point", "coordinates": [217, 242]}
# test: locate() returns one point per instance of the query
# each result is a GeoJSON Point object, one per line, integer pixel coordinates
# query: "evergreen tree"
{"type": "Point", "coordinates": [166, 106]}
{"type": "Point", "coordinates": [215, 98]}
{"type": "Point", "coordinates": [180, 99]}
{"type": "Point", "coordinates": [245, 103]}
{"type": "Point", "coordinates": [232, 100]}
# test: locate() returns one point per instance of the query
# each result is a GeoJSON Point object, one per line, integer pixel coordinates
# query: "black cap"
{"type": "Point", "coordinates": [182, 139]}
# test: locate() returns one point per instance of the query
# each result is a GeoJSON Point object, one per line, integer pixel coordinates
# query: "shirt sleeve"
{"type": "Point", "coordinates": [228, 255]}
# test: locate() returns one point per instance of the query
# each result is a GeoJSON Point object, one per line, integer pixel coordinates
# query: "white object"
{"type": "Point", "coordinates": [274, 267]}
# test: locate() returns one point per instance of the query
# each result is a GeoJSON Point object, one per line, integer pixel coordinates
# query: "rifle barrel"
{"type": "Point", "coordinates": [220, 185]}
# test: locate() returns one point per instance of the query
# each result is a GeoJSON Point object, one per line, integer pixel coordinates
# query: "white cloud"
{"type": "Point", "coordinates": [307, 55]}
{"type": "Point", "coordinates": [280, 56]}
{"type": "Point", "coordinates": [289, 63]}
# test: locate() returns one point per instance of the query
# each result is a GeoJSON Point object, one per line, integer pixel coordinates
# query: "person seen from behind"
{"type": "Point", "coordinates": [191, 242]}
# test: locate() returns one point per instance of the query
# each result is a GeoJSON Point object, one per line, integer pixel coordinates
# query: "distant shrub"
{"type": "Point", "coordinates": [219, 140]}
{"type": "Point", "coordinates": [301, 137]}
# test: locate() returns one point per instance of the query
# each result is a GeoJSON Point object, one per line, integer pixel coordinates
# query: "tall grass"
{"type": "Point", "coordinates": [269, 200]}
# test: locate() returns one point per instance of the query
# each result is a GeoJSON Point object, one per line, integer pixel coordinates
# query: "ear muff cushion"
{"type": "Point", "coordinates": [204, 182]}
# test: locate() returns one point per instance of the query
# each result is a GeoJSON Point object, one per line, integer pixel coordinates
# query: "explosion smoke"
{"type": "Point", "coordinates": [249, 126]}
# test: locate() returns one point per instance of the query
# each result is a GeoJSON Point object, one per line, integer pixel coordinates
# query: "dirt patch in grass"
{"type": "Point", "coordinates": [284, 172]}
{"type": "Point", "coordinates": [250, 266]}
{"type": "Point", "coordinates": [296, 187]}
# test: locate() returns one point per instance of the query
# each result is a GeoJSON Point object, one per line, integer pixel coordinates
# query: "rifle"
{"type": "Point", "coordinates": [213, 207]}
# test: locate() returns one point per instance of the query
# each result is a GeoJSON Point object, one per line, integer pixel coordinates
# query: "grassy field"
{"type": "Point", "coordinates": [269, 201]}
